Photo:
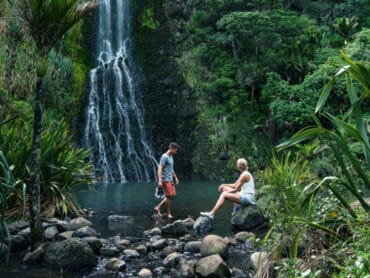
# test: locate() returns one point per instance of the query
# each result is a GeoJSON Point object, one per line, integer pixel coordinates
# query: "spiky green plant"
{"type": "Point", "coordinates": [283, 182]}
{"type": "Point", "coordinates": [9, 188]}
{"type": "Point", "coordinates": [63, 165]}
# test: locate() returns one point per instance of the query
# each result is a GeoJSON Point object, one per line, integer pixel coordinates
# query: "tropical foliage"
{"type": "Point", "coordinates": [323, 206]}
{"type": "Point", "coordinates": [47, 22]}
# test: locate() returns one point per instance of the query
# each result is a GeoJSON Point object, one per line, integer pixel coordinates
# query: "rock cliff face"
{"type": "Point", "coordinates": [170, 110]}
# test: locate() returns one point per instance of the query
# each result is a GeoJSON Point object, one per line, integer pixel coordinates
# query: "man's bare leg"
{"type": "Point", "coordinates": [168, 205]}
{"type": "Point", "coordinates": [157, 208]}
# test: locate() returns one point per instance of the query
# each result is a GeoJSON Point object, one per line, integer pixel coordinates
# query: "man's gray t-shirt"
{"type": "Point", "coordinates": [167, 170]}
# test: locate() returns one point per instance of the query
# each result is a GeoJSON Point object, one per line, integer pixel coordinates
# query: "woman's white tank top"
{"type": "Point", "coordinates": [248, 187]}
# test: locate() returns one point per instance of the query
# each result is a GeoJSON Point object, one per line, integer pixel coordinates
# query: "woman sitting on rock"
{"type": "Point", "coordinates": [231, 191]}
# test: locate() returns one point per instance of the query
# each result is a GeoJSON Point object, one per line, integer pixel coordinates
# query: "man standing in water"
{"type": "Point", "coordinates": [166, 176]}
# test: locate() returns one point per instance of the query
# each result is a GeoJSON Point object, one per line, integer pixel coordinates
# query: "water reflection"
{"type": "Point", "coordinates": [137, 200]}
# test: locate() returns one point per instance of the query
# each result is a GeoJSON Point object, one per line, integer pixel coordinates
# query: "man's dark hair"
{"type": "Point", "coordinates": [174, 146]}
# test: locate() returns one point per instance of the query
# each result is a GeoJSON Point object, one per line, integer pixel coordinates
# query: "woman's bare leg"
{"type": "Point", "coordinates": [225, 195]}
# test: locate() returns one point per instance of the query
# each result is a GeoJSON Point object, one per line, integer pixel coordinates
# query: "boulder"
{"type": "Point", "coordinates": [212, 266]}
{"type": "Point", "coordinates": [51, 232]}
{"type": "Point", "coordinates": [189, 222]}
{"type": "Point", "coordinates": [177, 228]}
{"type": "Point", "coordinates": [214, 244]}
{"type": "Point", "coordinates": [61, 225]}
{"type": "Point", "coordinates": [108, 251]}
{"type": "Point", "coordinates": [244, 236]}
{"type": "Point", "coordinates": [65, 235]}
{"type": "Point", "coordinates": [257, 259]}
{"type": "Point", "coordinates": [131, 254]}
{"type": "Point", "coordinates": [141, 249]}
{"type": "Point", "coordinates": [153, 232]}
{"type": "Point", "coordinates": [145, 273]}
{"type": "Point", "coordinates": [71, 253]}
{"type": "Point", "coordinates": [26, 233]}
{"type": "Point", "coordinates": [36, 255]}
{"type": "Point", "coordinates": [78, 222]}
{"type": "Point", "coordinates": [193, 247]}
{"type": "Point", "coordinates": [93, 242]}
{"type": "Point", "coordinates": [17, 243]}
{"type": "Point", "coordinates": [85, 231]}
{"type": "Point", "coordinates": [159, 244]}
{"type": "Point", "coordinates": [17, 226]}
{"type": "Point", "coordinates": [248, 218]}
{"type": "Point", "coordinates": [172, 259]}
{"type": "Point", "coordinates": [115, 264]}
{"type": "Point", "coordinates": [202, 225]}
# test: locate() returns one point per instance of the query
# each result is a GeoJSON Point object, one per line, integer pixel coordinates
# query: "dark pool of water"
{"type": "Point", "coordinates": [137, 200]}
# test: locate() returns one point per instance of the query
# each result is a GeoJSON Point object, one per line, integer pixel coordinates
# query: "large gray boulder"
{"type": "Point", "coordinates": [212, 266]}
{"type": "Point", "coordinates": [248, 218]}
{"type": "Point", "coordinates": [258, 259]}
{"type": "Point", "coordinates": [85, 231]}
{"type": "Point", "coordinates": [71, 253]}
{"type": "Point", "coordinates": [17, 243]}
{"type": "Point", "coordinates": [35, 257]}
{"type": "Point", "coordinates": [77, 223]}
{"type": "Point", "coordinates": [177, 228]}
{"type": "Point", "coordinates": [51, 233]}
{"type": "Point", "coordinates": [17, 226]}
{"type": "Point", "coordinates": [214, 244]}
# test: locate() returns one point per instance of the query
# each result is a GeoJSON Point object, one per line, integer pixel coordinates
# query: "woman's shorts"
{"type": "Point", "coordinates": [169, 189]}
{"type": "Point", "coordinates": [247, 199]}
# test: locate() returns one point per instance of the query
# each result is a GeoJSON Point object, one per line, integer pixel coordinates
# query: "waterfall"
{"type": "Point", "coordinates": [114, 122]}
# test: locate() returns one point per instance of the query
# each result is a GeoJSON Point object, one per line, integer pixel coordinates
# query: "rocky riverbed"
{"type": "Point", "coordinates": [183, 248]}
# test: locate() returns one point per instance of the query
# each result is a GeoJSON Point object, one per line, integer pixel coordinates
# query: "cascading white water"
{"type": "Point", "coordinates": [114, 127]}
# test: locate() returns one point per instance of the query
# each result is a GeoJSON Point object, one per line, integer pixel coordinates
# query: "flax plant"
{"type": "Point", "coordinates": [63, 166]}
{"type": "Point", "coordinates": [10, 189]}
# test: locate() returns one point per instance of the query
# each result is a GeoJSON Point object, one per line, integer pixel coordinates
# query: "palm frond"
{"type": "Point", "coordinates": [49, 20]}
{"type": "Point", "coordinates": [317, 225]}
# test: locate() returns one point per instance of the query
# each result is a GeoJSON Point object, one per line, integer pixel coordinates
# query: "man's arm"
{"type": "Point", "coordinates": [176, 179]}
{"type": "Point", "coordinates": [159, 173]}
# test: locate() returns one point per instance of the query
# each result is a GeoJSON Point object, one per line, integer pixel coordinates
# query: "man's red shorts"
{"type": "Point", "coordinates": [169, 189]}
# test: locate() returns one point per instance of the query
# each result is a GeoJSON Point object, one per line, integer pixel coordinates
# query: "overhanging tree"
{"type": "Point", "coordinates": [47, 22]}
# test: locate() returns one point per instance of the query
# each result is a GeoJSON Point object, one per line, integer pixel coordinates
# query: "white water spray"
{"type": "Point", "coordinates": [114, 127]}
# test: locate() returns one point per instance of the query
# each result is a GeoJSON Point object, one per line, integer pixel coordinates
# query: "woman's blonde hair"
{"type": "Point", "coordinates": [243, 163]}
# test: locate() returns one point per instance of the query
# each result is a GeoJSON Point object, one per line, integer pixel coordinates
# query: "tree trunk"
{"type": "Point", "coordinates": [34, 188]}
{"type": "Point", "coordinates": [234, 47]}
